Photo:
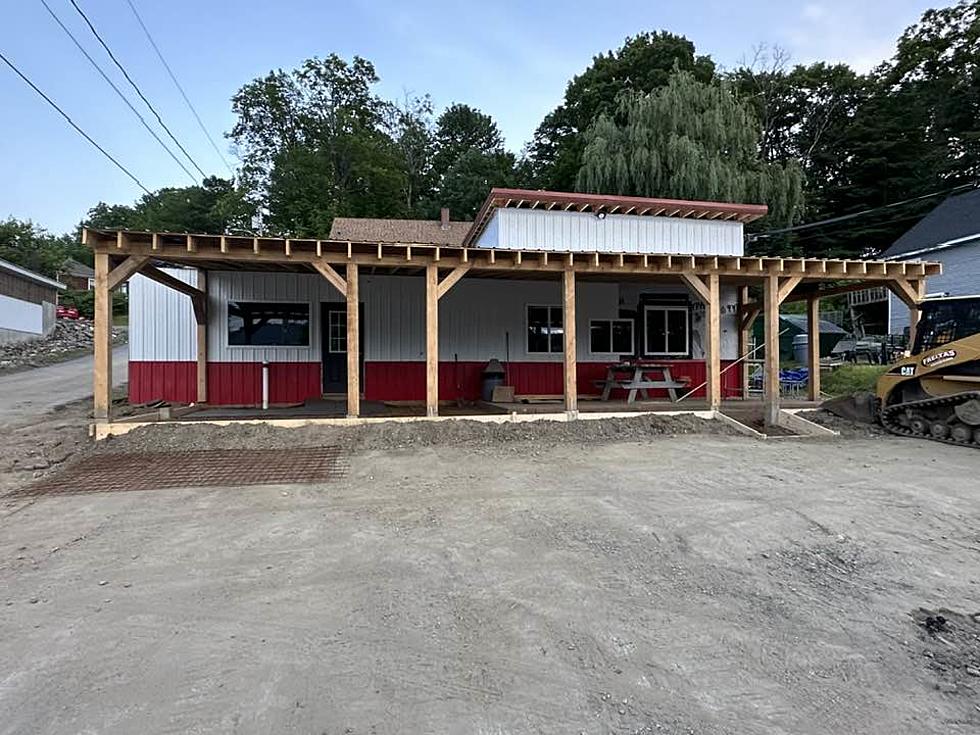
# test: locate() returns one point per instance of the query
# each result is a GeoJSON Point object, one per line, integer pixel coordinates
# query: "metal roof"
{"type": "Point", "coordinates": [27, 275]}
{"type": "Point", "coordinates": [955, 221]}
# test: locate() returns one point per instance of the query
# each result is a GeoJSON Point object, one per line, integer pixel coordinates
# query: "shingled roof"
{"type": "Point", "coordinates": [957, 218]}
{"type": "Point", "coordinates": [431, 232]}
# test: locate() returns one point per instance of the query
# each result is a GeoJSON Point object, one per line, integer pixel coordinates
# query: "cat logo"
{"type": "Point", "coordinates": [939, 358]}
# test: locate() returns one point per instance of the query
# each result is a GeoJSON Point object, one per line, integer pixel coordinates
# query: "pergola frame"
{"type": "Point", "coordinates": [120, 254]}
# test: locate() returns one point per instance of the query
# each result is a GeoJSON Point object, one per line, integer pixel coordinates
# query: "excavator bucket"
{"type": "Point", "coordinates": [861, 406]}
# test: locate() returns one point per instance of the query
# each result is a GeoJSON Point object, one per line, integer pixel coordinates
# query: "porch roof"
{"type": "Point", "coordinates": [229, 252]}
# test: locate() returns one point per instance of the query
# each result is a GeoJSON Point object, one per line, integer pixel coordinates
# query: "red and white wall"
{"type": "Point", "coordinates": [478, 320]}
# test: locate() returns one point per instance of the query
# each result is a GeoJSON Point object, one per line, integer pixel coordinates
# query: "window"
{"type": "Point", "coordinates": [337, 332]}
{"type": "Point", "coordinates": [666, 330]}
{"type": "Point", "coordinates": [611, 335]}
{"type": "Point", "coordinates": [545, 332]}
{"type": "Point", "coordinates": [266, 324]}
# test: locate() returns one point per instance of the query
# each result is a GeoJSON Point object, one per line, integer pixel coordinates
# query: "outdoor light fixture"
{"type": "Point", "coordinates": [600, 215]}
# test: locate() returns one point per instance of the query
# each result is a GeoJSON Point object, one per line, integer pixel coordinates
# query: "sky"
{"type": "Point", "coordinates": [511, 59]}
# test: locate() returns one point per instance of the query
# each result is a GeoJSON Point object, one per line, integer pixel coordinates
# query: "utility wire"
{"type": "Point", "coordinates": [845, 217]}
{"type": "Point", "coordinates": [71, 122]}
{"type": "Point", "coordinates": [180, 89]}
{"type": "Point", "coordinates": [123, 97]}
{"type": "Point", "coordinates": [135, 87]}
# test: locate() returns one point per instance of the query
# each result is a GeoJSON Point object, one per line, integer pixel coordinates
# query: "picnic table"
{"type": "Point", "coordinates": [639, 376]}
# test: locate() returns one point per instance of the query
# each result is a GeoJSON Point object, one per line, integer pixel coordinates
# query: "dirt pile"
{"type": "Point", "coordinates": [398, 435]}
{"type": "Point", "coordinates": [69, 338]}
{"type": "Point", "coordinates": [848, 429]}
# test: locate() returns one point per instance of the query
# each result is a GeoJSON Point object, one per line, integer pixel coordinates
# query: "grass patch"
{"type": "Point", "coordinates": [849, 379]}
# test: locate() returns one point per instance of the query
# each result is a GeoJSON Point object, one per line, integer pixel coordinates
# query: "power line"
{"type": "Point", "coordinates": [180, 89]}
{"type": "Point", "coordinates": [71, 122]}
{"type": "Point", "coordinates": [135, 87]}
{"type": "Point", "coordinates": [123, 97]}
{"type": "Point", "coordinates": [845, 217]}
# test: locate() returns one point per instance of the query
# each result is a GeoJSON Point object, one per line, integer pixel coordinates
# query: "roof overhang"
{"type": "Point", "coordinates": [30, 275]}
{"type": "Point", "coordinates": [606, 204]}
{"type": "Point", "coordinates": [965, 240]}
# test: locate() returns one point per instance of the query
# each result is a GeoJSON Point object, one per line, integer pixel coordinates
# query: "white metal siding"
{"type": "Point", "coordinates": [960, 277]}
{"type": "Point", "coordinates": [540, 229]}
{"type": "Point", "coordinates": [475, 318]}
{"type": "Point", "coordinates": [21, 316]}
{"type": "Point", "coordinates": [161, 320]}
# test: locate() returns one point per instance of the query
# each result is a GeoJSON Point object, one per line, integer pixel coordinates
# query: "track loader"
{"type": "Point", "coordinates": [934, 393]}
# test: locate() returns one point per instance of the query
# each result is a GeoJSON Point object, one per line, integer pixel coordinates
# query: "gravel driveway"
{"type": "Point", "coordinates": [690, 584]}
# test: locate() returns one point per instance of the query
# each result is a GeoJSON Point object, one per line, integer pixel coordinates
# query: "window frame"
{"type": "Point", "coordinates": [309, 318]}
{"type": "Point", "coordinates": [611, 321]}
{"type": "Point", "coordinates": [647, 308]}
{"type": "Point", "coordinates": [527, 328]}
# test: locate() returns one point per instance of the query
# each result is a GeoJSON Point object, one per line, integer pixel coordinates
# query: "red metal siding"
{"type": "Point", "coordinates": [405, 381]}
{"type": "Point", "coordinates": [162, 381]}
{"type": "Point", "coordinates": [240, 383]}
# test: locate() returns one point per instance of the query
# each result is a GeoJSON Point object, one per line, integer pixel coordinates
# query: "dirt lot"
{"type": "Point", "coordinates": [700, 583]}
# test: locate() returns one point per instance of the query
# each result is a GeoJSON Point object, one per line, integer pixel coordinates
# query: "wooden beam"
{"type": "Point", "coordinates": [698, 286]}
{"type": "Point", "coordinates": [787, 285]}
{"type": "Point", "coordinates": [431, 340]}
{"type": "Point", "coordinates": [713, 352]}
{"type": "Point", "coordinates": [352, 290]}
{"type": "Point", "coordinates": [102, 387]}
{"type": "Point", "coordinates": [770, 302]}
{"type": "Point", "coordinates": [328, 272]}
{"type": "Point", "coordinates": [571, 363]}
{"type": "Point", "coordinates": [744, 335]}
{"type": "Point", "coordinates": [198, 297]}
{"type": "Point", "coordinates": [453, 278]}
{"type": "Point", "coordinates": [125, 270]}
{"type": "Point", "coordinates": [813, 346]}
{"type": "Point", "coordinates": [905, 291]}
{"type": "Point", "coordinates": [202, 340]}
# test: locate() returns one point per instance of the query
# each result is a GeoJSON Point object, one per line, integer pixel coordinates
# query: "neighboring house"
{"type": "Point", "coordinates": [792, 325]}
{"type": "Point", "coordinates": [295, 320]}
{"type": "Point", "coordinates": [28, 302]}
{"type": "Point", "coordinates": [77, 276]}
{"type": "Point", "coordinates": [949, 234]}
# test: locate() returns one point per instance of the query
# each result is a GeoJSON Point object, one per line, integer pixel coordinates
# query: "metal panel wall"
{"type": "Point", "coordinates": [539, 229]}
{"type": "Point", "coordinates": [161, 320]}
{"type": "Point", "coordinates": [960, 277]}
{"type": "Point", "coordinates": [21, 316]}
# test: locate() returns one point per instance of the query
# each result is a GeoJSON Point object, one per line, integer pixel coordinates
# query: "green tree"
{"type": "Point", "coordinates": [687, 140]}
{"type": "Point", "coordinates": [643, 64]}
{"type": "Point", "coordinates": [465, 185]}
{"type": "Point", "coordinates": [316, 143]}
{"type": "Point", "coordinates": [25, 244]}
{"type": "Point", "coordinates": [201, 209]}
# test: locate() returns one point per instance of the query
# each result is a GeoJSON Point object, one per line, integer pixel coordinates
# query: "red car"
{"type": "Point", "coordinates": [66, 312]}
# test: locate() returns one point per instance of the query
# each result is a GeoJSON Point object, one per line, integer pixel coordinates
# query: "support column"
{"type": "Point", "coordinates": [202, 339]}
{"type": "Point", "coordinates": [920, 292]}
{"type": "Point", "coordinates": [813, 346]}
{"type": "Point", "coordinates": [770, 309]}
{"type": "Point", "coordinates": [431, 340]}
{"type": "Point", "coordinates": [102, 388]}
{"type": "Point", "coordinates": [743, 338]}
{"type": "Point", "coordinates": [713, 351]}
{"type": "Point", "coordinates": [571, 364]}
{"type": "Point", "coordinates": [353, 343]}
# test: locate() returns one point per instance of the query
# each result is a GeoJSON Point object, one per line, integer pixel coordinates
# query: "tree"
{"type": "Point", "coordinates": [415, 142]}
{"type": "Point", "coordinates": [461, 128]}
{"type": "Point", "coordinates": [25, 244]}
{"type": "Point", "coordinates": [465, 185]}
{"type": "Point", "coordinates": [643, 64]}
{"type": "Point", "coordinates": [201, 209]}
{"type": "Point", "coordinates": [317, 143]}
{"type": "Point", "coordinates": [688, 140]}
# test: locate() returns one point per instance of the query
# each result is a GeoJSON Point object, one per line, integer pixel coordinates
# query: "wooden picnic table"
{"type": "Point", "coordinates": [635, 376]}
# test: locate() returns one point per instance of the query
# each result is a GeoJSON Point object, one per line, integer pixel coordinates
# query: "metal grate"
{"type": "Point", "coordinates": [118, 472]}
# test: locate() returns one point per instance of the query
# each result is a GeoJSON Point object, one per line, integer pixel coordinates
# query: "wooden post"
{"type": "Point", "coordinates": [102, 388]}
{"type": "Point", "coordinates": [713, 351]}
{"type": "Point", "coordinates": [431, 340]}
{"type": "Point", "coordinates": [571, 365]}
{"type": "Point", "coordinates": [744, 338]}
{"type": "Point", "coordinates": [201, 317]}
{"type": "Point", "coordinates": [770, 310]}
{"type": "Point", "coordinates": [353, 343]}
{"type": "Point", "coordinates": [813, 345]}
{"type": "Point", "coordinates": [920, 292]}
